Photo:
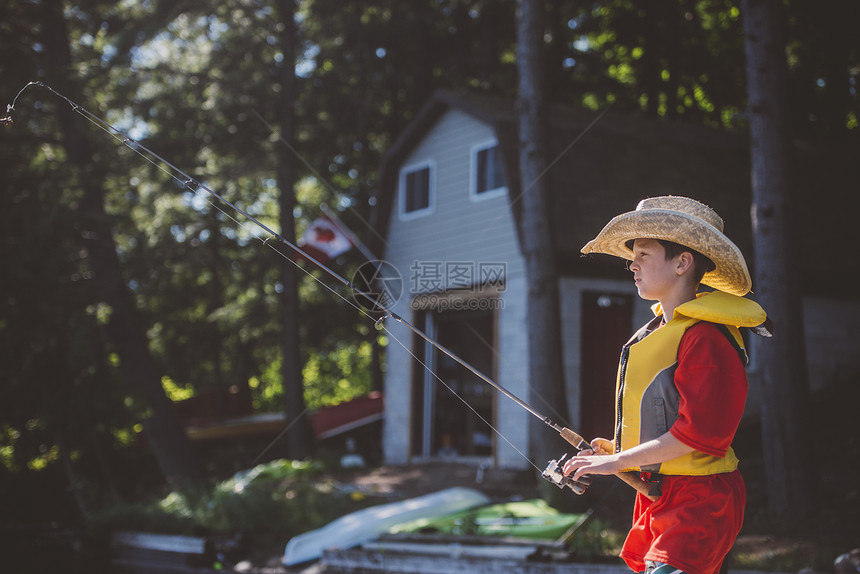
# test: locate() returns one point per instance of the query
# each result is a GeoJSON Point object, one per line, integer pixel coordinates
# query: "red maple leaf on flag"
{"type": "Point", "coordinates": [324, 240]}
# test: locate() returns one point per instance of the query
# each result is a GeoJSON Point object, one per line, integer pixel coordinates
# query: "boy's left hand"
{"type": "Point", "coordinates": [587, 462]}
{"type": "Point", "coordinates": [663, 448]}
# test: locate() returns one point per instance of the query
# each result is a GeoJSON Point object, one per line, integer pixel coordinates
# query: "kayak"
{"type": "Point", "coordinates": [369, 523]}
{"type": "Point", "coordinates": [533, 519]}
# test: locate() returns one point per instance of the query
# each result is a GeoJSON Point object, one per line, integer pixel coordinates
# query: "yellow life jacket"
{"type": "Point", "coordinates": [647, 399]}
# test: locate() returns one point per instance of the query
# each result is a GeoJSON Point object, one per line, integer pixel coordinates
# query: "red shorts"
{"type": "Point", "coordinates": [692, 526]}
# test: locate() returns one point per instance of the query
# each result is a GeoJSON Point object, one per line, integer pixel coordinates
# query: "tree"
{"type": "Point", "coordinates": [298, 436]}
{"type": "Point", "coordinates": [784, 358]}
{"type": "Point", "coordinates": [546, 371]}
{"type": "Point", "coordinates": [190, 76]}
{"type": "Point", "coordinates": [126, 330]}
{"type": "Point", "coordinates": [674, 59]}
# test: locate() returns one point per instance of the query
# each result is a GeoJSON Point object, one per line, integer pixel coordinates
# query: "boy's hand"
{"type": "Point", "coordinates": [602, 446]}
{"type": "Point", "coordinates": [664, 447]}
{"type": "Point", "coordinates": [583, 464]}
{"type": "Point", "coordinates": [598, 459]}
{"type": "Point", "coordinates": [598, 446]}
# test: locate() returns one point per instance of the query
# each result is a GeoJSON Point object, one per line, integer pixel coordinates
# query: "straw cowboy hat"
{"type": "Point", "coordinates": [680, 220]}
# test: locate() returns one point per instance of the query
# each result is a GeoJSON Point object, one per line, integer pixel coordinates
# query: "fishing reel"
{"type": "Point", "coordinates": [554, 473]}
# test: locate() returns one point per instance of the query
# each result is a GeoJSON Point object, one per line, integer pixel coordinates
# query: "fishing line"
{"type": "Point", "coordinates": [552, 472]}
{"type": "Point", "coordinates": [470, 407]}
{"type": "Point", "coordinates": [317, 175]}
{"type": "Point", "coordinates": [521, 194]}
{"type": "Point", "coordinates": [501, 359]}
{"type": "Point", "coordinates": [378, 324]}
{"type": "Point", "coordinates": [193, 185]}
{"type": "Point", "coordinates": [334, 192]}
{"type": "Point", "coordinates": [564, 151]}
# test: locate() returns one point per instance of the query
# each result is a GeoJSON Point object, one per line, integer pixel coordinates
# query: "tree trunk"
{"type": "Point", "coordinates": [783, 359]}
{"type": "Point", "coordinates": [127, 334]}
{"type": "Point", "coordinates": [215, 339]}
{"type": "Point", "coordinates": [546, 374]}
{"type": "Point", "coordinates": [298, 437]}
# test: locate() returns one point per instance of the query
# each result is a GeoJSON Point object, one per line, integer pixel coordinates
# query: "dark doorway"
{"type": "Point", "coordinates": [448, 427]}
{"type": "Point", "coordinates": [606, 326]}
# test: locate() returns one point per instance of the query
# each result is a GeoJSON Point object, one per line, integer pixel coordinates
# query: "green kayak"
{"type": "Point", "coordinates": [533, 519]}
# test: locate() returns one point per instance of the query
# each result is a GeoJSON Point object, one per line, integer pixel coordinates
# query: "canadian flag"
{"type": "Point", "coordinates": [324, 239]}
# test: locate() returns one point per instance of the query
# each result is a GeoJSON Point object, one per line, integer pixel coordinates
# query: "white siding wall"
{"type": "Point", "coordinates": [398, 392]}
{"type": "Point", "coordinates": [459, 230]}
{"type": "Point", "coordinates": [513, 376]}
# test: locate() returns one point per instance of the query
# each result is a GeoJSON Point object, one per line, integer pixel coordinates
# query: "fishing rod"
{"type": "Point", "coordinates": [554, 469]}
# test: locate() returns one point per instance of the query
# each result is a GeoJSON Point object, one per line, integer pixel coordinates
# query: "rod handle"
{"type": "Point", "coordinates": [632, 478]}
{"type": "Point", "coordinates": [573, 438]}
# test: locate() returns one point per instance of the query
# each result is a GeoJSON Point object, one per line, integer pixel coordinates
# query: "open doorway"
{"type": "Point", "coordinates": [606, 326]}
{"type": "Point", "coordinates": [443, 426]}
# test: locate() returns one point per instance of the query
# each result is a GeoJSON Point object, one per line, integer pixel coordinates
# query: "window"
{"type": "Point", "coordinates": [416, 190]}
{"type": "Point", "coordinates": [488, 174]}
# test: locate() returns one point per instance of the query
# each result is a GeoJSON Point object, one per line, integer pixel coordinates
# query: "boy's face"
{"type": "Point", "coordinates": [654, 276]}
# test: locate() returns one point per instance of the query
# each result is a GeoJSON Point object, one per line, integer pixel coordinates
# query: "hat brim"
{"type": "Point", "coordinates": [730, 274]}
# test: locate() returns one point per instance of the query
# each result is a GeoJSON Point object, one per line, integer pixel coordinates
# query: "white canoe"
{"type": "Point", "coordinates": [367, 524]}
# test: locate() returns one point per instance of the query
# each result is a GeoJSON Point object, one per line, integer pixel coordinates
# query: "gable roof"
{"type": "Point", "coordinates": [494, 111]}
{"type": "Point", "coordinates": [603, 165]}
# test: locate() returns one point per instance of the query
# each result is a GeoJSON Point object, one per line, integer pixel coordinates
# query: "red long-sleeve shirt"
{"type": "Point", "coordinates": [694, 523]}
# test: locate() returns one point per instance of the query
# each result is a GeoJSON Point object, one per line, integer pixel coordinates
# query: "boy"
{"type": "Point", "coordinates": [681, 386]}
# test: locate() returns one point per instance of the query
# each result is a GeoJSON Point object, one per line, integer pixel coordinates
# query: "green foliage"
{"type": "Point", "coordinates": [330, 378]}
{"type": "Point", "coordinates": [273, 501]}
{"type": "Point", "coordinates": [200, 84]}
{"type": "Point", "coordinates": [282, 498]}
{"type": "Point", "coordinates": [340, 375]}
{"type": "Point", "coordinates": [174, 391]}
{"type": "Point", "coordinates": [784, 557]}
{"type": "Point", "coordinates": [281, 493]}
